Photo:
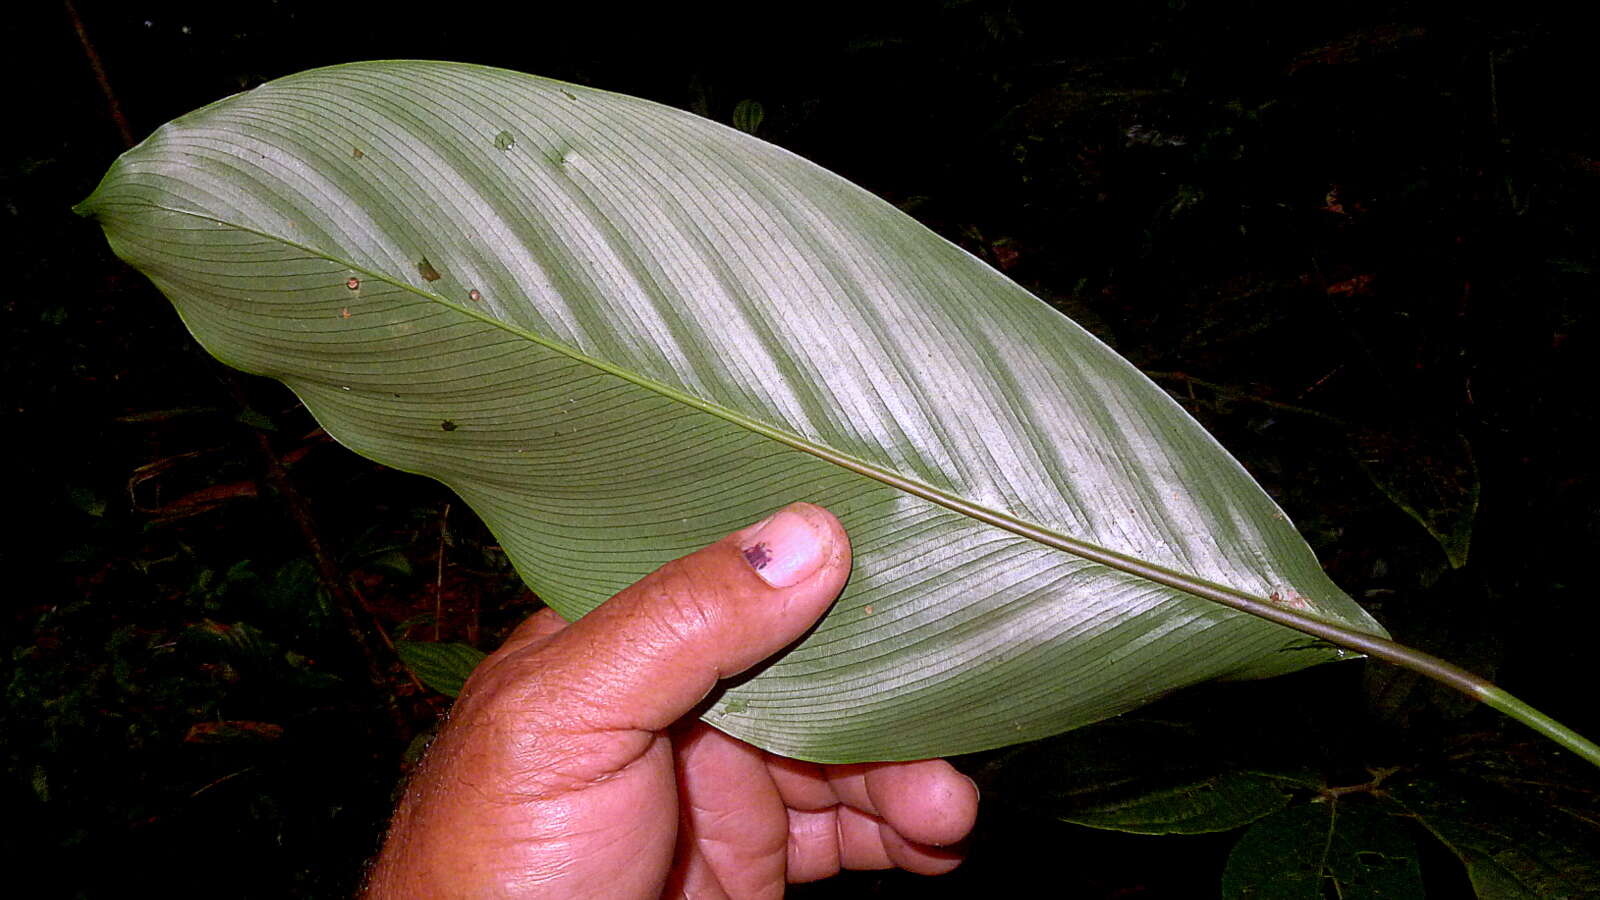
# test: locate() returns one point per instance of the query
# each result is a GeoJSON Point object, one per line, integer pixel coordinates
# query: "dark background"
{"type": "Point", "coordinates": [1359, 243]}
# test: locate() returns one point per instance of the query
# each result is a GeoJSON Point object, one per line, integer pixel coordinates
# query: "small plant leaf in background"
{"type": "Point", "coordinates": [1350, 849]}
{"type": "Point", "coordinates": [442, 667]}
{"type": "Point", "coordinates": [1512, 849]}
{"type": "Point", "coordinates": [1141, 777]}
{"type": "Point", "coordinates": [1218, 802]}
{"type": "Point", "coordinates": [747, 115]}
{"type": "Point", "coordinates": [1428, 473]}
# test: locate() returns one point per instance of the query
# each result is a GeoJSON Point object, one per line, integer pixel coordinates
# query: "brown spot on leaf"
{"type": "Point", "coordinates": [426, 270]}
{"type": "Point", "coordinates": [474, 295]}
{"type": "Point", "coordinates": [353, 283]}
{"type": "Point", "coordinates": [1290, 600]}
{"type": "Point", "coordinates": [448, 425]}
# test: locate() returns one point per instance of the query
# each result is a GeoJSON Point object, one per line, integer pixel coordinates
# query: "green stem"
{"type": "Point", "coordinates": [1389, 651]}
{"type": "Point", "coordinates": [1475, 686]}
{"type": "Point", "coordinates": [1498, 698]}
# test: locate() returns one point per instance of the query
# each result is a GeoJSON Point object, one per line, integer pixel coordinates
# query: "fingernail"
{"type": "Point", "coordinates": [786, 549]}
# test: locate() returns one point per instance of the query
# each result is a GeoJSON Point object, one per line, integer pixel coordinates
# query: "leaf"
{"type": "Point", "coordinates": [442, 667]}
{"type": "Point", "coordinates": [1221, 801]}
{"type": "Point", "coordinates": [649, 330]}
{"type": "Point", "coordinates": [1348, 850]}
{"type": "Point", "coordinates": [1142, 777]}
{"type": "Point", "coordinates": [748, 114]}
{"type": "Point", "coordinates": [1512, 849]}
{"type": "Point", "coordinates": [393, 562]}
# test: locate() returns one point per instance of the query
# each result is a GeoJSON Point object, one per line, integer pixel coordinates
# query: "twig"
{"type": "Point", "coordinates": [438, 582]}
{"type": "Point", "coordinates": [113, 108]}
{"type": "Point", "coordinates": [1236, 394]}
{"type": "Point", "coordinates": [388, 642]}
{"type": "Point", "coordinates": [226, 778]}
{"type": "Point", "coordinates": [328, 572]}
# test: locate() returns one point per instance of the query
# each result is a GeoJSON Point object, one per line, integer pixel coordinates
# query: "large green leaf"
{"type": "Point", "coordinates": [620, 331]}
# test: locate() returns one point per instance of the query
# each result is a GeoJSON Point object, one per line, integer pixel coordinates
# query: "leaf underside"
{"type": "Point", "coordinates": [620, 331]}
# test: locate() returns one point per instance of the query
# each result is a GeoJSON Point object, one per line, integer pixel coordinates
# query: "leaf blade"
{"type": "Point", "coordinates": [647, 330]}
{"type": "Point", "coordinates": [1357, 851]}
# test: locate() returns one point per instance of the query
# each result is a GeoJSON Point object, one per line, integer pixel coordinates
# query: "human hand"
{"type": "Point", "coordinates": [565, 769]}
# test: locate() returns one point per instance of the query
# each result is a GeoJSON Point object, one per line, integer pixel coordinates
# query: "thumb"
{"type": "Point", "coordinates": [647, 656]}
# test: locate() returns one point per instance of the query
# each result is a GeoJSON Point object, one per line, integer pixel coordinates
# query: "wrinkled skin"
{"type": "Point", "coordinates": [568, 769]}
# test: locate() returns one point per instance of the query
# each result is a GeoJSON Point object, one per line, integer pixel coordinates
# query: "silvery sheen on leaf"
{"type": "Point", "coordinates": [620, 331]}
